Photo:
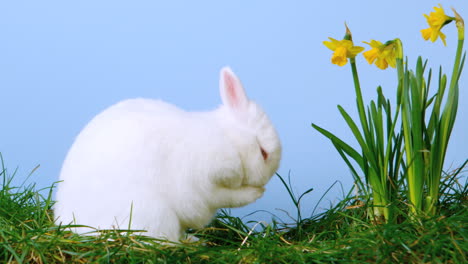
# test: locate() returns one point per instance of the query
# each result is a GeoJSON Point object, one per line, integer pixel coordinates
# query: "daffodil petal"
{"type": "Point", "coordinates": [374, 43]}
{"type": "Point", "coordinates": [329, 45]}
{"type": "Point", "coordinates": [355, 50]}
{"type": "Point", "coordinates": [442, 37]}
{"type": "Point", "coordinates": [332, 44]}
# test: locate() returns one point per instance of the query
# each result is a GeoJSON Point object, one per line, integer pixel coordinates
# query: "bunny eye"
{"type": "Point", "coordinates": [264, 153]}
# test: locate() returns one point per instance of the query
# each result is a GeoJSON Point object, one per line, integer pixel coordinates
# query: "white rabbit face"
{"type": "Point", "coordinates": [251, 131]}
{"type": "Point", "coordinates": [260, 145]}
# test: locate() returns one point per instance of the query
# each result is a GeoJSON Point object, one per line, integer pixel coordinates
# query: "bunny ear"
{"type": "Point", "coordinates": [231, 90]}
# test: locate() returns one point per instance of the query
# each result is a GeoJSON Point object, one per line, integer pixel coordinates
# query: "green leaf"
{"type": "Point", "coordinates": [341, 144]}
{"type": "Point", "coordinates": [358, 136]}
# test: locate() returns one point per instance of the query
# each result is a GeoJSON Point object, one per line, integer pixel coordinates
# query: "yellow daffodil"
{"type": "Point", "coordinates": [382, 54]}
{"type": "Point", "coordinates": [436, 21]}
{"type": "Point", "coordinates": [343, 49]}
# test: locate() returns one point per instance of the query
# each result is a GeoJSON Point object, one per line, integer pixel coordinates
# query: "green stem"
{"type": "Point", "coordinates": [362, 113]}
{"type": "Point", "coordinates": [359, 101]}
{"type": "Point", "coordinates": [380, 200]}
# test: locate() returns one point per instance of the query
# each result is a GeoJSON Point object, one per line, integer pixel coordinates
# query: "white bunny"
{"type": "Point", "coordinates": [171, 168]}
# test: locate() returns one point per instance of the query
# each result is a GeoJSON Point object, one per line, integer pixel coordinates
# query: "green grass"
{"type": "Point", "coordinates": [342, 234]}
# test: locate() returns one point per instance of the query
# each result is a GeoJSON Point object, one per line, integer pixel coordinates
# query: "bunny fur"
{"type": "Point", "coordinates": [147, 165]}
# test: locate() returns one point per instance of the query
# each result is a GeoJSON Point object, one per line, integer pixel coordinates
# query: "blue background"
{"type": "Point", "coordinates": [62, 62]}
